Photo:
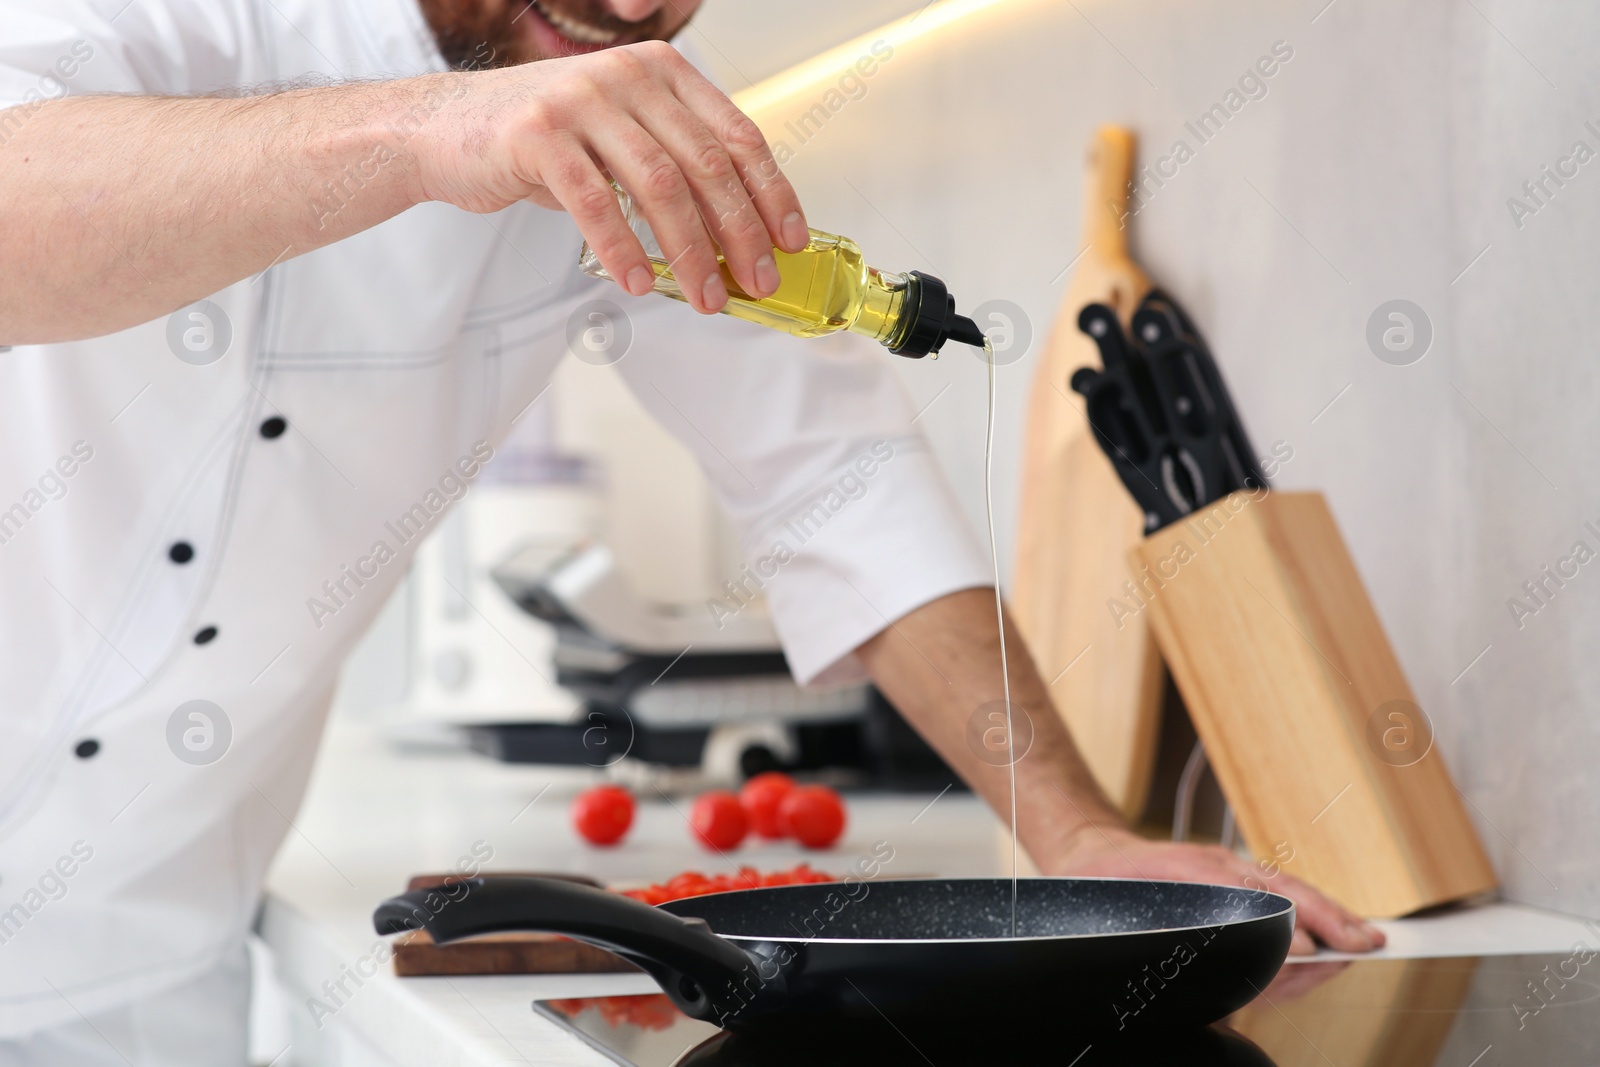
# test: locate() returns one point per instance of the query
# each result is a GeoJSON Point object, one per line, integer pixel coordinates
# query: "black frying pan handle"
{"type": "Point", "coordinates": [704, 975]}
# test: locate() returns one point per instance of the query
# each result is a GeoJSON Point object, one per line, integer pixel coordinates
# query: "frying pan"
{"type": "Point", "coordinates": [1092, 952]}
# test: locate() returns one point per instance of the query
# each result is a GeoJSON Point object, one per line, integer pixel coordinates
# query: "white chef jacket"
{"type": "Point", "coordinates": [391, 361]}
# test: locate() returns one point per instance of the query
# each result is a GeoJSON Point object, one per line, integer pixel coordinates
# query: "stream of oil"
{"type": "Point", "coordinates": [1000, 618]}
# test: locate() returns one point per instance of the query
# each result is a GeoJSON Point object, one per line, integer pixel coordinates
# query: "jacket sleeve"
{"type": "Point", "coordinates": [55, 48]}
{"type": "Point", "coordinates": [846, 519]}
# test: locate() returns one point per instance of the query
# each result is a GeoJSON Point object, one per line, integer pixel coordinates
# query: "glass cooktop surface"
{"type": "Point", "coordinates": [1457, 1012]}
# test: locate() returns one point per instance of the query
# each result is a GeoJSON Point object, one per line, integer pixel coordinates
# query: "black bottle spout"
{"type": "Point", "coordinates": [933, 319]}
{"type": "Point", "coordinates": [966, 331]}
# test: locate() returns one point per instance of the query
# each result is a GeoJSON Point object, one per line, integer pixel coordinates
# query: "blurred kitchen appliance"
{"type": "Point", "coordinates": [475, 656]}
{"type": "Point", "coordinates": [527, 638]}
{"type": "Point", "coordinates": [673, 686]}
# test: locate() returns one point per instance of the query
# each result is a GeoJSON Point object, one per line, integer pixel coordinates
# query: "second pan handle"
{"type": "Point", "coordinates": [705, 976]}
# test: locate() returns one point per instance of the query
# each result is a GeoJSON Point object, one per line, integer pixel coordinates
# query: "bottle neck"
{"type": "Point", "coordinates": [882, 308]}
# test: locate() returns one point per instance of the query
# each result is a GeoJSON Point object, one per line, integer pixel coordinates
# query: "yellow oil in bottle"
{"type": "Point", "coordinates": [826, 287]}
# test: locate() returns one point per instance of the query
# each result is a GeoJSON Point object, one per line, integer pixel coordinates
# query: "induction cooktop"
{"type": "Point", "coordinates": [1487, 1011]}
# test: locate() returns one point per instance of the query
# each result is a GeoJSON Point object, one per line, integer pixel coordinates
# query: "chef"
{"type": "Point", "coordinates": [275, 273]}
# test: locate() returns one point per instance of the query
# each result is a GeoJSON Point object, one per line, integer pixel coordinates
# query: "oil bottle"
{"type": "Point", "coordinates": [825, 288]}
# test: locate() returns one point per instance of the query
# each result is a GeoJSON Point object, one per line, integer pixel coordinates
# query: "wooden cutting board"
{"type": "Point", "coordinates": [415, 954]}
{"type": "Point", "coordinates": [1076, 522]}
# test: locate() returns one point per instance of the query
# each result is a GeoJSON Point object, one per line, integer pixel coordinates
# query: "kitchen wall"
{"type": "Point", "coordinates": [1381, 161]}
{"type": "Point", "coordinates": [745, 41]}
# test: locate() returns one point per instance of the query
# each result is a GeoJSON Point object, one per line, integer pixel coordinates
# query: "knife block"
{"type": "Point", "coordinates": [1305, 713]}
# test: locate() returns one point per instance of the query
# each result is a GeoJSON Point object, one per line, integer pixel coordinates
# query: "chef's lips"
{"type": "Point", "coordinates": [593, 22]}
{"type": "Point", "coordinates": [473, 34]}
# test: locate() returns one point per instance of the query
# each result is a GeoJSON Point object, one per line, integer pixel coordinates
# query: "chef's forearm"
{"type": "Point", "coordinates": [123, 208]}
{"type": "Point", "coordinates": [939, 665]}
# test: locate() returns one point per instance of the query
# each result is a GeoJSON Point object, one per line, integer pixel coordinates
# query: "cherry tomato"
{"type": "Point", "coordinates": [719, 820]}
{"type": "Point", "coordinates": [761, 796]}
{"type": "Point", "coordinates": [813, 815]}
{"type": "Point", "coordinates": [803, 874]}
{"type": "Point", "coordinates": [695, 884]}
{"type": "Point", "coordinates": [686, 882]}
{"type": "Point", "coordinates": [603, 814]}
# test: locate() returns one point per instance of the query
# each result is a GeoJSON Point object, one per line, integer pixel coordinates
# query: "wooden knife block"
{"type": "Point", "coordinates": [1270, 636]}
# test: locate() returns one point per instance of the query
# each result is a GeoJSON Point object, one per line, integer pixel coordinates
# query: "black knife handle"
{"type": "Point", "coordinates": [1119, 428]}
{"type": "Point", "coordinates": [1125, 362]}
{"type": "Point", "coordinates": [1188, 376]}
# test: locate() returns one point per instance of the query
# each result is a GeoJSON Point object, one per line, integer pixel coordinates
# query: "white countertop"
{"type": "Point", "coordinates": [374, 817]}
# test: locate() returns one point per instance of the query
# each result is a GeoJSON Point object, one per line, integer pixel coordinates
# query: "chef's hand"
{"type": "Point", "coordinates": [555, 132]}
{"type": "Point", "coordinates": [1118, 853]}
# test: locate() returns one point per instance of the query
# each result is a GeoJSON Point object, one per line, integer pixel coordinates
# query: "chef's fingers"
{"type": "Point", "coordinates": [566, 169]}
{"type": "Point", "coordinates": [1300, 943]}
{"type": "Point", "coordinates": [774, 197]}
{"type": "Point", "coordinates": [1328, 922]}
{"type": "Point", "coordinates": [647, 170]}
{"type": "Point", "coordinates": [725, 204]}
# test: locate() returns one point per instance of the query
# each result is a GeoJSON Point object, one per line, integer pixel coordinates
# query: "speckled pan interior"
{"type": "Point", "coordinates": [974, 908]}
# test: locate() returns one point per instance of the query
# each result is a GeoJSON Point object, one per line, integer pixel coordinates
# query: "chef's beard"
{"type": "Point", "coordinates": [474, 34]}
